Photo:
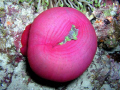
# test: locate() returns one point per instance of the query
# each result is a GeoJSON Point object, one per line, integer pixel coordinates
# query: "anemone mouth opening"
{"type": "Point", "coordinates": [72, 35]}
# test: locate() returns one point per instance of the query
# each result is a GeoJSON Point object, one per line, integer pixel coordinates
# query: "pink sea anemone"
{"type": "Point", "coordinates": [49, 59]}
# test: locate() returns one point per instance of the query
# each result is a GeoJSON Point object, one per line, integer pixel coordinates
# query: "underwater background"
{"type": "Point", "coordinates": [102, 74]}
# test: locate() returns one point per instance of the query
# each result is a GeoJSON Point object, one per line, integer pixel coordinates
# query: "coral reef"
{"type": "Point", "coordinates": [10, 35]}
{"type": "Point", "coordinates": [104, 71]}
{"type": "Point", "coordinates": [77, 4]}
{"type": "Point", "coordinates": [106, 24]}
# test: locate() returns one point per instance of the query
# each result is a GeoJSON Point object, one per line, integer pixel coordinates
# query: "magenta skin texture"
{"type": "Point", "coordinates": [48, 59]}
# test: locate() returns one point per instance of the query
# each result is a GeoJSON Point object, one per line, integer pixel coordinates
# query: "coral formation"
{"type": "Point", "coordinates": [112, 39]}
{"type": "Point", "coordinates": [106, 24]}
{"type": "Point", "coordinates": [104, 71]}
{"type": "Point", "coordinates": [77, 4]}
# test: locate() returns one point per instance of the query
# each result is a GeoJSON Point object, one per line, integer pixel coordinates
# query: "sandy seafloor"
{"type": "Point", "coordinates": [15, 73]}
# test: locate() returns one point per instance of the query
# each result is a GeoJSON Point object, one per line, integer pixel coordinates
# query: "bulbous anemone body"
{"type": "Point", "coordinates": [48, 59]}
